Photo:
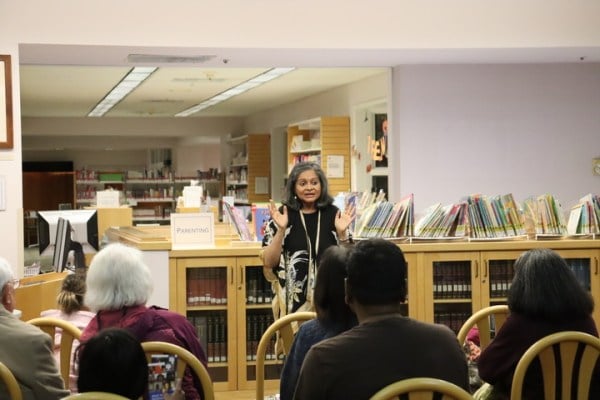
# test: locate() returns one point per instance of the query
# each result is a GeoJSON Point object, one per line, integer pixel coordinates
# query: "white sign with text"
{"type": "Point", "coordinates": [192, 231]}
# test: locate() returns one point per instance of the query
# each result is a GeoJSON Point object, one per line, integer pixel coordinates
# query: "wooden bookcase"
{"type": "Point", "coordinates": [447, 282]}
{"type": "Point", "coordinates": [324, 139]}
{"type": "Point", "coordinates": [231, 322]}
{"type": "Point", "coordinates": [249, 170]}
{"type": "Point", "coordinates": [457, 279]}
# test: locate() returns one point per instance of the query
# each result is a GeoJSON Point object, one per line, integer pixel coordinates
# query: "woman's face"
{"type": "Point", "coordinates": [308, 188]}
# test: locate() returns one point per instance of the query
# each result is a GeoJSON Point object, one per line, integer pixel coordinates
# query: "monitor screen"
{"type": "Point", "coordinates": [83, 226]}
{"type": "Point", "coordinates": [64, 248]}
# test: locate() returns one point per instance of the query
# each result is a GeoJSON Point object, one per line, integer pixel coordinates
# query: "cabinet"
{"type": "Point", "coordinates": [459, 279]}
{"type": "Point", "coordinates": [326, 141]}
{"type": "Point", "coordinates": [223, 292]}
{"type": "Point", "coordinates": [228, 300]}
{"type": "Point", "coordinates": [249, 171]}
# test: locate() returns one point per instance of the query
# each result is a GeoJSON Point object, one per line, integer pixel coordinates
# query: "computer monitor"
{"type": "Point", "coordinates": [78, 226]}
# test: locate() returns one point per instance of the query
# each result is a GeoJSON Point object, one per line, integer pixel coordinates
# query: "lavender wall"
{"type": "Point", "coordinates": [495, 129]}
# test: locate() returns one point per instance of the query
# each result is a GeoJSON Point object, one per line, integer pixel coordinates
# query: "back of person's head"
{"type": "Point", "coordinates": [117, 278]}
{"type": "Point", "coordinates": [7, 279]}
{"type": "Point", "coordinates": [376, 273]}
{"type": "Point", "coordinates": [290, 198]}
{"type": "Point", "coordinates": [70, 297]}
{"type": "Point", "coordinates": [113, 361]}
{"type": "Point", "coordinates": [544, 287]}
{"type": "Point", "coordinates": [331, 307]}
{"type": "Point", "coordinates": [6, 272]}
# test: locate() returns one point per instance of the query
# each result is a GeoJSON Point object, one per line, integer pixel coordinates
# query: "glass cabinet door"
{"type": "Point", "coordinates": [209, 304]}
{"type": "Point", "coordinates": [452, 281]}
{"type": "Point", "coordinates": [584, 264]}
{"type": "Point", "coordinates": [256, 315]}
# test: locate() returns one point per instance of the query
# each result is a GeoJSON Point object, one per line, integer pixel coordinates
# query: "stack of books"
{"type": "Point", "coordinates": [546, 215]}
{"type": "Point", "coordinates": [584, 217]}
{"type": "Point", "coordinates": [384, 219]}
{"type": "Point", "coordinates": [474, 217]}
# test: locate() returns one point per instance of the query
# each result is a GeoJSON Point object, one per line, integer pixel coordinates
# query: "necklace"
{"type": "Point", "coordinates": [312, 270]}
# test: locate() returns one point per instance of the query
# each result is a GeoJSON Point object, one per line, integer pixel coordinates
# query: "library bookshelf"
{"type": "Point", "coordinates": [224, 294]}
{"type": "Point", "coordinates": [447, 282]}
{"type": "Point", "coordinates": [325, 141]}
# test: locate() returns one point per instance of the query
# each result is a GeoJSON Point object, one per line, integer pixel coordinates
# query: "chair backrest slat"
{"type": "Point", "coordinates": [69, 334]}
{"type": "Point", "coordinates": [12, 386]}
{"type": "Point", "coordinates": [285, 327]}
{"type": "Point", "coordinates": [560, 349]}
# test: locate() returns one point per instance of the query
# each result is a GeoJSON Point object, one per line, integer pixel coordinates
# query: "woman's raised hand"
{"type": "Point", "coordinates": [281, 219]}
{"type": "Point", "coordinates": [345, 218]}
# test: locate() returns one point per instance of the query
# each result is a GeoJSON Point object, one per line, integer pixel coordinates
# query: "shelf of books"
{"type": "Point", "coordinates": [457, 283]}
{"type": "Point", "coordinates": [229, 302]}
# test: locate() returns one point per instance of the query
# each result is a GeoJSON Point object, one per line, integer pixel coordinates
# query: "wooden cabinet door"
{"type": "Point", "coordinates": [207, 296]}
{"type": "Point", "coordinates": [255, 314]}
{"type": "Point", "coordinates": [451, 287]}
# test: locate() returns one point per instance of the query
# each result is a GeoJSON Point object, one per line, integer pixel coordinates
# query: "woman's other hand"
{"type": "Point", "coordinates": [280, 219]}
{"type": "Point", "coordinates": [344, 219]}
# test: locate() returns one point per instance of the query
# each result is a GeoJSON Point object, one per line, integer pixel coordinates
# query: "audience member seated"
{"type": "Point", "coordinates": [118, 286]}
{"type": "Point", "coordinates": [25, 349]}
{"type": "Point", "coordinates": [545, 297]}
{"type": "Point", "coordinates": [386, 346]}
{"type": "Point", "coordinates": [71, 309]}
{"type": "Point", "coordinates": [113, 361]}
{"type": "Point", "coordinates": [333, 316]}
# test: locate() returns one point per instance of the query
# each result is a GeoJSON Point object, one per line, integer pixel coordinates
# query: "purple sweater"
{"type": "Point", "coordinates": [155, 324]}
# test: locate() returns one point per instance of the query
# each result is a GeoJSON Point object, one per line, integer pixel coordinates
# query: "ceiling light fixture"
{"type": "Point", "coordinates": [132, 80]}
{"type": "Point", "coordinates": [236, 90]}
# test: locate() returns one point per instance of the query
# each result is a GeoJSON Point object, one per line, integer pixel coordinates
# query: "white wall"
{"type": "Point", "coordinates": [496, 129]}
{"type": "Point", "coordinates": [273, 24]}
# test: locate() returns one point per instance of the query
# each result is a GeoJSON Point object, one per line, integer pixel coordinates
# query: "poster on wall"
{"type": "Point", "coordinates": [6, 127]}
{"type": "Point", "coordinates": [381, 139]}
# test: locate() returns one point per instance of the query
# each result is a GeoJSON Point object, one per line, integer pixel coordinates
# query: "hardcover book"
{"type": "Point", "coordinates": [161, 376]}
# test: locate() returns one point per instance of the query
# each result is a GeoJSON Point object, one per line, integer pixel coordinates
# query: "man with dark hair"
{"type": "Point", "coordinates": [386, 346]}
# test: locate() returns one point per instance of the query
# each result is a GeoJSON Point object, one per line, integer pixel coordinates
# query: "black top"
{"type": "Point", "coordinates": [292, 270]}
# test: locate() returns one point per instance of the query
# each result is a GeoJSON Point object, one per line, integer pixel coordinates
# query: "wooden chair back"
{"type": "Point", "coordinates": [12, 386]}
{"type": "Point", "coordinates": [286, 326]}
{"type": "Point", "coordinates": [482, 319]}
{"type": "Point", "coordinates": [422, 389]}
{"type": "Point", "coordinates": [560, 362]}
{"type": "Point", "coordinates": [184, 359]}
{"type": "Point", "coordinates": [95, 396]}
{"type": "Point", "coordinates": [69, 333]}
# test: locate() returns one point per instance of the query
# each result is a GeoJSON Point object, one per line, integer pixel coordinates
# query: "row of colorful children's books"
{"type": "Point", "coordinates": [474, 217]}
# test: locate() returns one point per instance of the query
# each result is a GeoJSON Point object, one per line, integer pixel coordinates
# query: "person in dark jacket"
{"type": "Point", "coordinates": [545, 297]}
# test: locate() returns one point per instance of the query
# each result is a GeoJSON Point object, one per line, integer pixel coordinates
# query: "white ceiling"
{"type": "Point", "coordinates": [73, 91]}
{"type": "Point", "coordinates": [68, 80]}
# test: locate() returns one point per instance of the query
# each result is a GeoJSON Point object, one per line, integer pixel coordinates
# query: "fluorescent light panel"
{"type": "Point", "coordinates": [236, 90]}
{"type": "Point", "coordinates": [133, 79]}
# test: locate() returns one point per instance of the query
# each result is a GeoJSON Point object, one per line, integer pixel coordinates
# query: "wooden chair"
{"type": "Point", "coordinates": [481, 319]}
{"type": "Point", "coordinates": [185, 359]}
{"type": "Point", "coordinates": [12, 386]}
{"type": "Point", "coordinates": [95, 396]}
{"type": "Point", "coordinates": [285, 327]}
{"type": "Point", "coordinates": [422, 389]}
{"type": "Point", "coordinates": [559, 352]}
{"type": "Point", "coordinates": [69, 333]}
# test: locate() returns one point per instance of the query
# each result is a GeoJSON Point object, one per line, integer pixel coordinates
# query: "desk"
{"type": "Point", "coordinates": [38, 293]}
